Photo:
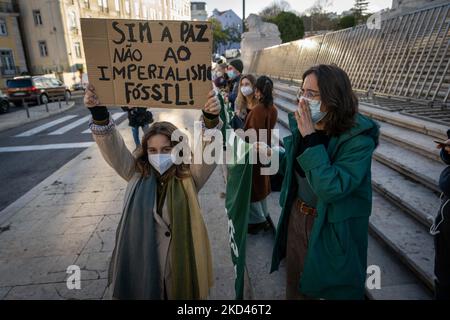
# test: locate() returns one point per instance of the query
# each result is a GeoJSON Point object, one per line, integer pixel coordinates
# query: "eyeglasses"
{"type": "Point", "coordinates": [307, 93]}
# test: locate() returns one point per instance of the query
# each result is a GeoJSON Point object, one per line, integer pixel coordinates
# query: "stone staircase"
{"type": "Point", "coordinates": [405, 172]}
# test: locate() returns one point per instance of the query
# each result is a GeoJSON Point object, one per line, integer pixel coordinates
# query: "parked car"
{"type": "Point", "coordinates": [4, 103]}
{"type": "Point", "coordinates": [36, 89]}
{"type": "Point", "coordinates": [77, 86]}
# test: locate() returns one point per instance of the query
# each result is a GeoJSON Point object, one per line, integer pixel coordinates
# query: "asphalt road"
{"type": "Point", "coordinates": [32, 152]}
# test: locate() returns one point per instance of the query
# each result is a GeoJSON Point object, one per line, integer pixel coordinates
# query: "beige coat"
{"type": "Point", "coordinates": [117, 155]}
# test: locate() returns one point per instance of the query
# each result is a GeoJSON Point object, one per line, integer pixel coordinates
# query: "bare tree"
{"type": "Point", "coordinates": [273, 9]}
{"type": "Point", "coordinates": [320, 7]}
{"type": "Point", "coordinates": [318, 18]}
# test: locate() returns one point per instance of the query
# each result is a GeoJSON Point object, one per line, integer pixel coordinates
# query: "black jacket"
{"type": "Point", "coordinates": [138, 117]}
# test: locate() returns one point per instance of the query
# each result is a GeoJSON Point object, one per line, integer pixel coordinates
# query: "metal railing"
{"type": "Point", "coordinates": [408, 58]}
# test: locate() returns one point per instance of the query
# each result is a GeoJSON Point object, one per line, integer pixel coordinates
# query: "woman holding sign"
{"type": "Point", "coordinates": [162, 248]}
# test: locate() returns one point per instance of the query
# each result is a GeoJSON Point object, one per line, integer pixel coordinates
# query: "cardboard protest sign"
{"type": "Point", "coordinates": [149, 63]}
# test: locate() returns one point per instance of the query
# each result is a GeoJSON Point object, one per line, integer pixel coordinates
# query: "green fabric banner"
{"type": "Point", "coordinates": [237, 204]}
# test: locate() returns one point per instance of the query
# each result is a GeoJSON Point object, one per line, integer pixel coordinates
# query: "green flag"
{"type": "Point", "coordinates": [225, 114]}
{"type": "Point", "coordinates": [237, 205]}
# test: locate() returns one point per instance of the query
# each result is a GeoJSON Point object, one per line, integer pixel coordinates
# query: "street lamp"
{"type": "Point", "coordinates": [243, 16]}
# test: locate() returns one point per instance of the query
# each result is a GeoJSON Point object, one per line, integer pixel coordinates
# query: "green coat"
{"type": "Point", "coordinates": [340, 176]}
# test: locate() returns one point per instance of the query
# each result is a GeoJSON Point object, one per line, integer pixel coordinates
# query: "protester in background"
{"type": "Point", "coordinates": [234, 72]}
{"type": "Point", "coordinates": [326, 196]}
{"type": "Point", "coordinates": [441, 230]}
{"type": "Point", "coordinates": [162, 249]}
{"type": "Point", "coordinates": [246, 96]}
{"type": "Point", "coordinates": [138, 118]}
{"type": "Point", "coordinates": [261, 116]}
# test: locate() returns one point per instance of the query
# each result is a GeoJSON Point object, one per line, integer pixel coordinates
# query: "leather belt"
{"type": "Point", "coordinates": [305, 209]}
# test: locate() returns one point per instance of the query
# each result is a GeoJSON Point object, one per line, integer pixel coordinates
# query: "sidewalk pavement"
{"type": "Point", "coordinates": [18, 118]}
{"type": "Point", "coordinates": [71, 217]}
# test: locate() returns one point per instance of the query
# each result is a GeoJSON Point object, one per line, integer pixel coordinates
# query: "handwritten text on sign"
{"type": "Point", "coordinates": [148, 63]}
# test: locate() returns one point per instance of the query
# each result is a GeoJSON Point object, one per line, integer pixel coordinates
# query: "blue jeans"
{"type": "Point", "coordinates": [258, 212]}
{"type": "Point", "coordinates": [135, 131]}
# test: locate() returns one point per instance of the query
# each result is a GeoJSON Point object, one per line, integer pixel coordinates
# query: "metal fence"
{"type": "Point", "coordinates": [407, 58]}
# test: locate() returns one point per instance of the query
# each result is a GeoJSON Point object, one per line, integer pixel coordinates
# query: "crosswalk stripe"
{"type": "Point", "coordinates": [45, 126]}
{"type": "Point", "coordinates": [47, 147]}
{"type": "Point", "coordinates": [70, 126]}
{"type": "Point", "coordinates": [115, 116]}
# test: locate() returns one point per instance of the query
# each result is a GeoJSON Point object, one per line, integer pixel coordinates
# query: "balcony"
{"type": "Point", "coordinates": [7, 7]}
{"type": "Point", "coordinates": [9, 71]}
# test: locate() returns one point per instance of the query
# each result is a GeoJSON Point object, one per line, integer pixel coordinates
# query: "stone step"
{"type": "Point", "coordinates": [283, 117]}
{"type": "Point", "coordinates": [415, 166]}
{"type": "Point", "coordinates": [428, 128]}
{"type": "Point", "coordinates": [411, 140]}
{"type": "Point", "coordinates": [409, 240]}
{"type": "Point", "coordinates": [411, 197]}
{"type": "Point", "coordinates": [397, 281]}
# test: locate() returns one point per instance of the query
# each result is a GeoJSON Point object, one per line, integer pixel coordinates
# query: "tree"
{"type": "Point", "coordinates": [234, 34]}
{"type": "Point", "coordinates": [290, 26]}
{"type": "Point", "coordinates": [319, 18]}
{"type": "Point", "coordinates": [223, 36]}
{"type": "Point", "coordinates": [346, 22]}
{"type": "Point", "coordinates": [360, 10]}
{"type": "Point", "coordinates": [275, 8]}
{"type": "Point", "coordinates": [220, 36]}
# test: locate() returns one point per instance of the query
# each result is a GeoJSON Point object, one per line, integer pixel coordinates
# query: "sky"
{"type": "Point", "coordinates": [255, 6]}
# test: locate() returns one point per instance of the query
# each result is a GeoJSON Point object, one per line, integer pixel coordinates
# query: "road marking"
{"type": "Point", "coordinates": [70, 126]}
{"type": "Point", "coordinates": [115, 116]}
{"type": "Point", "coordinates": [45, 126]}
{"type": "Point", "coordinates": [47, 147]}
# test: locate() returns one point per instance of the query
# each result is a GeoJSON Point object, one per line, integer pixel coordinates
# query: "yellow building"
{"type": "Point", "coordinates": [52, 35]}
{"type": "Point", "coordinates": [12, 57]}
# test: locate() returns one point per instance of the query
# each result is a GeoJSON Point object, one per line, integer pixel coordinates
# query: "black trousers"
{"type": "Point", "coordinates": [442, 250]}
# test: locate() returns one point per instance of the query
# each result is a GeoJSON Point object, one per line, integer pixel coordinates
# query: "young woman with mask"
{"type": "Point", "coordinates": [162, 249]}
{"type": "Point", "coordinates": [246, 99]}
{"type": "Point", "coordinates": [326, 196]}
{"type": "Point", "coordinates": [261, 116]}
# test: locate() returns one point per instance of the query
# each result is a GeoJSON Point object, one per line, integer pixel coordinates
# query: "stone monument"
{"type": "Point", "coordinates": [260, 35]}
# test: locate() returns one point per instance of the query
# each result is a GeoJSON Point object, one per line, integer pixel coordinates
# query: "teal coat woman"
{"type": "Point", "coordinates": [336, 260]}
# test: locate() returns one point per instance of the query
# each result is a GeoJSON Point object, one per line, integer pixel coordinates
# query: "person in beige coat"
{"type": "Point", "coordinates": [162, 249]}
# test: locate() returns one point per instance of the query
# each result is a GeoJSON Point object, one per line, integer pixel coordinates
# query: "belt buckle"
{"type": "Point", "coordinates": [303, 208]}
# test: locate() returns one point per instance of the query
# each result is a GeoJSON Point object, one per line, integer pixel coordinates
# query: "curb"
{"type": "Point", "coordinates": [40, 117]}
{"type": "Point", "coordinates": [8, 212]}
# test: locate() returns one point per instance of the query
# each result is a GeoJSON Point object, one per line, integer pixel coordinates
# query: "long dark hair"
{"type": "Point", "coordinates": [337, 96]}
{"type": "Point", "coordinates": [166, 129]}
{"type": "Point", "coordinates": [265, 86]}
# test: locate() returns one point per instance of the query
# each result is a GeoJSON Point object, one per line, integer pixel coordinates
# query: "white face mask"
{"type": "Point", "coordinates": [246, 90]}
{"type": "Point", "coordinates": [161, 161]}
{"type": "Point", "coordinates": [314, 106]}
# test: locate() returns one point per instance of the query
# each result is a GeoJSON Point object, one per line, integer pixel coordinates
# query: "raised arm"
{"type": "Point", "coordinates": [108, 139]}
{"type": "Point", "coordinates": [210, 118]}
